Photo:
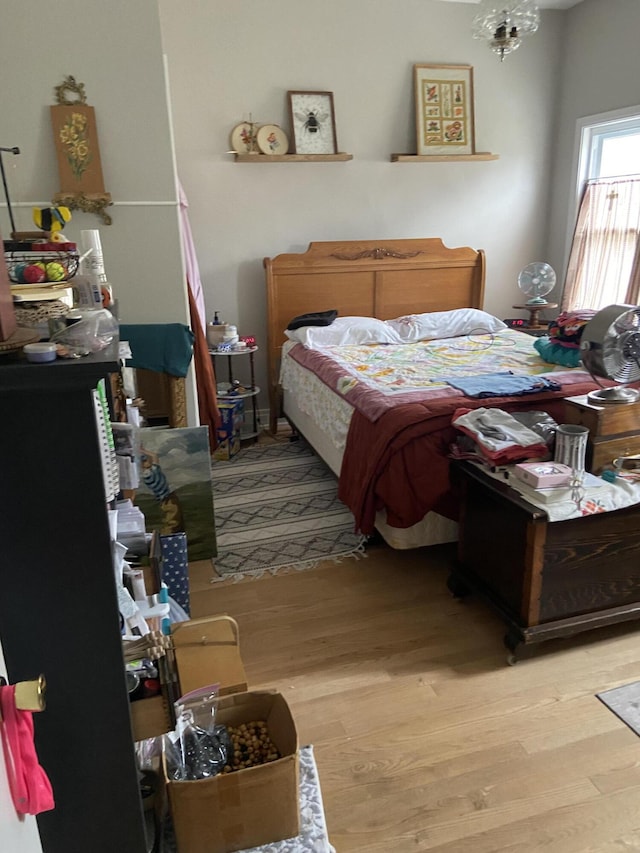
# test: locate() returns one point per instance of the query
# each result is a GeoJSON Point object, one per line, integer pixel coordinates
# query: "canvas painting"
{"type": "Point", "coordinates": [175, 492]}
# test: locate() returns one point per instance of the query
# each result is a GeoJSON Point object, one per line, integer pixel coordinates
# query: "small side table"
{"type": "Point", "coordinates": [534, 310]}
{"type": "Point", "coordinates": [250, 391]}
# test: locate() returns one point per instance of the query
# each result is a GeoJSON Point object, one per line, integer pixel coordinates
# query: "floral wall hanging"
{"type": "Point", "coordinates": [76, 139]}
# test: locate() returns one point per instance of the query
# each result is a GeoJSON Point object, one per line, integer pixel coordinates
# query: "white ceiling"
{"type": "Point", "coordinates": [543, 4]}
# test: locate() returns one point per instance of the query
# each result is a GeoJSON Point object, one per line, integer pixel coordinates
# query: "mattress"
{"type": "Point", "coordinates": [323, 417]}
{"type": "Point", "coordinates": [381, 417]}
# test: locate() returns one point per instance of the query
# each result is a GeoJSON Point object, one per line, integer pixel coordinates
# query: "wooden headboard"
{"type": "Point", "coordinates": [369, 278]}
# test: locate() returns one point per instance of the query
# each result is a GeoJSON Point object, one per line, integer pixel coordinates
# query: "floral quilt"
{"type": "Point", "coordinates": [376, 377]}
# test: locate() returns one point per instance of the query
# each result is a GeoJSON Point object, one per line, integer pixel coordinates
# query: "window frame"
{"type": "Point", "coordinates": [590, 131]}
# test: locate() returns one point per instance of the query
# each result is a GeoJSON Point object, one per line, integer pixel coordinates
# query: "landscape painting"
{"type": "Point", "coordinates": [175, 492]}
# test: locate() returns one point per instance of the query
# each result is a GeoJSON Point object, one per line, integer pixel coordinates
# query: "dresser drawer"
{"type": "Point", "coordinates": [602, 419]}
{"type": "Point", "coordinates": [602, 451]}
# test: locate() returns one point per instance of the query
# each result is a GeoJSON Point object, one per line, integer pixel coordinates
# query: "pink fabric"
{"type": "Point", "coordinates": [191, 259]}
{"type": "Point", "coordinates": [29, 785]}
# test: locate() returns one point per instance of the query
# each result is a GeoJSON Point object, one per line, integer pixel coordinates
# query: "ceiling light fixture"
{"type": "Point", "coordinates": [503, 23]}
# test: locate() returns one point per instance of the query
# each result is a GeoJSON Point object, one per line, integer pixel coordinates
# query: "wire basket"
{"type": "Point", "coordinates": [33, 268]}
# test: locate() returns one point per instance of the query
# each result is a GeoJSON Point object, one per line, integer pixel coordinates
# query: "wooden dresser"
{"type": "Point", "coordinates": [614, 429]}
{"type": "Point", "coordinates": [546, 579]}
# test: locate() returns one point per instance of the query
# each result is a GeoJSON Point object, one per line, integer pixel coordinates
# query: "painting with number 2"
{"type": "Point", "coordinates": [444, 109]}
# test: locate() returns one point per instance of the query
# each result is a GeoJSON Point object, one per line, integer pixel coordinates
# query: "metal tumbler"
{"type": "Point", "coordinates": [571, 445]}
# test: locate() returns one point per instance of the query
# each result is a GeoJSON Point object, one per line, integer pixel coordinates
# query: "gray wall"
{"type": "Point", "coordinates": [227, 60]}
{"type": "Point", "coordinates": [600, 73]}
{"type": "Point", "coordinates": [115, 49]}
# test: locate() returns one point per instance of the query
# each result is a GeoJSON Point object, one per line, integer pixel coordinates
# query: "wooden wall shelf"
{"type": "Point", "coordinates": [292, 158]}
{"type": "Point", "coordinates": [441, 158]}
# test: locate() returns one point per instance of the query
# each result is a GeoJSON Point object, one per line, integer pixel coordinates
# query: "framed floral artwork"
{"type": "Point", "coordinates": [75, 136]}
{"type": "Point", "coordinates": [76, 141]}
{"type": "Point", "coordinates": [313, 122]}
{"type": "Point", "coordinates": [444, 109]}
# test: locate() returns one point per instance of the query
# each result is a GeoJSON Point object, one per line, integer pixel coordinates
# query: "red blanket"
{"type": "Point", "coordinates": [400, 462]}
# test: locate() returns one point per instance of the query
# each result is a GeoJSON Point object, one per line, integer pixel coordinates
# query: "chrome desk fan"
{"type": "Point", "coordinates": [536, 280]}
{"type": "Point", "coordinates": [610, 348]}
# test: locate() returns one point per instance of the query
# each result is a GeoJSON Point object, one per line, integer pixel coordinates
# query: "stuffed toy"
{"type": "Point", "coordinates": [52, 220]}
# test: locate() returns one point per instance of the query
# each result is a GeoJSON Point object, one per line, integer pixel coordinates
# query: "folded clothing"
{"type": "Point", "coordinates": [568, 327]}
{"type": "Point", "coordinates": [501, 385]}
{"type": "Point", "coordinates": [317, 318]}
{"type": "Point", "coordinates": [499, 437]}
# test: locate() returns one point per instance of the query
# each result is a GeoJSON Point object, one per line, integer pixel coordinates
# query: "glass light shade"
{"type": "Point", "coordinates": [503, 23]}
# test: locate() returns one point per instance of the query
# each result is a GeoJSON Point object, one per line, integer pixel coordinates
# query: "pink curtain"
{"type": "Point", "coordinates": [205, 375]}
{"type": "Point", "coordinates": [190, 258]}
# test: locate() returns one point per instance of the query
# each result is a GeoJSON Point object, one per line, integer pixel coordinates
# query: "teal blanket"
{"type": "Point", "coordinates": [163, 347]}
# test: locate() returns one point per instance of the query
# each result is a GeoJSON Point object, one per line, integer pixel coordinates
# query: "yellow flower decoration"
{"type": "Point", "coordinates": [73, 136]}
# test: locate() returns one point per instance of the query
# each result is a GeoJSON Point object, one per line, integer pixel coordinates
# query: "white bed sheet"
{"type": "Point", "coordinates": [323, 417]}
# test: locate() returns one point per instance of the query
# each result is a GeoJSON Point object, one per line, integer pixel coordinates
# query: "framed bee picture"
{"type": "Point", "coordinates": [313, 124]}
{"type": "Point", "coordinates": [444, 109]}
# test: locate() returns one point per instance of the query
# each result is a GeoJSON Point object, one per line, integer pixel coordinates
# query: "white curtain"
{"type": "Point", "coordinates": [604, 265]}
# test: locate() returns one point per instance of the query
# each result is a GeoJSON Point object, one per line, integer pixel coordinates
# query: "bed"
{"type": "Point", "coordinates": [392, 461]}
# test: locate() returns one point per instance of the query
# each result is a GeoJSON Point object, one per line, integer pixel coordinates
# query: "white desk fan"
{"type": "Point", "coordinates": [610, 347]}
{"type": "Point", "coordinates": [536, 280]}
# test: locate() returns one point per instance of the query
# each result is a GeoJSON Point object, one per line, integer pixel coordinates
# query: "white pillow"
{"type": "Point", "coordinates": [445, 324]}
{"type": "Point", "coordinates": [345, 331]}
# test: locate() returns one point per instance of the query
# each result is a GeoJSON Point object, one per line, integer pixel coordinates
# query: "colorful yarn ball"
{"type": "Point", "coordinates": [33, 274]}
{"type": "Point", "coordinates": [55, 271]}
{"type": "Point", "coordinates": [17, 273]}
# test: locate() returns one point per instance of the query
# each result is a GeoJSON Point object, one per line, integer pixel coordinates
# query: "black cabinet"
{"type": "Point", "coordinates": [58, 605]}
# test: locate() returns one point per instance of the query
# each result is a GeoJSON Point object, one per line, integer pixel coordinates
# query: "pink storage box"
{"type": "Point", "coordinates": [543, 475]}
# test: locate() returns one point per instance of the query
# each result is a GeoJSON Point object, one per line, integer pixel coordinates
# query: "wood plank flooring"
{"type": "Point", "coordinates": [424, 737]}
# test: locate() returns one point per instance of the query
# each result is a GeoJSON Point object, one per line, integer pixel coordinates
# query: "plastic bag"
{"type": "Point", "coordinates": [198, 748]}
{"type": "Point", "coordinates": [541, 423]}
{"type": "Point", "coordinates": [94, 332]}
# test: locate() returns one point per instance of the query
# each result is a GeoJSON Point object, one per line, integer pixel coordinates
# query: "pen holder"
{"type": "Point", "coordinates": [571, 446]}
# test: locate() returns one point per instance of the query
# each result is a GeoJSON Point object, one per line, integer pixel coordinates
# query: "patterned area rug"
{"type": "Point", "coordinates": [625, 703]}
{"type": "Point", "coordinates": [276, 507]}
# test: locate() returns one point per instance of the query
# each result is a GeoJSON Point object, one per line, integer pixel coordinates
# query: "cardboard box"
{"type": "Point", "coordinates": [228, 445]}
{"type": "Point", "coordinates": [232, 415]}
{"type": "Point", "coordinates": [246, 808]}
{"type": "Point", "coordinates": [207, 651]}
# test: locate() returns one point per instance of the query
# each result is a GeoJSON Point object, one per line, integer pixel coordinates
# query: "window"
{"type": "Point", "coordinates": [604, 263]}
{"type": "Point", "coordinates": [612, 148]}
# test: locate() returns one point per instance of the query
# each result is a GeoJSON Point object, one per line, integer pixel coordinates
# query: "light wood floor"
{"type": "Point", "coordinates": [425, 739]}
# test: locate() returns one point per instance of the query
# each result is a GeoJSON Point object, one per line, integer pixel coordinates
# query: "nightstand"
{"type": "Point", "coordinates": [250, 390]}
{"type": "Point", "coordinates": [535, 327]}
{"type": "Point", "coordinates": [536, 333]}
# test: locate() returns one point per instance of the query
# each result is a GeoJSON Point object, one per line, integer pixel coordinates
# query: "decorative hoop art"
{"type": "Point", "coordinates": [272, 139]}
{"type": "Point", "coordinates": [243, 138]}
